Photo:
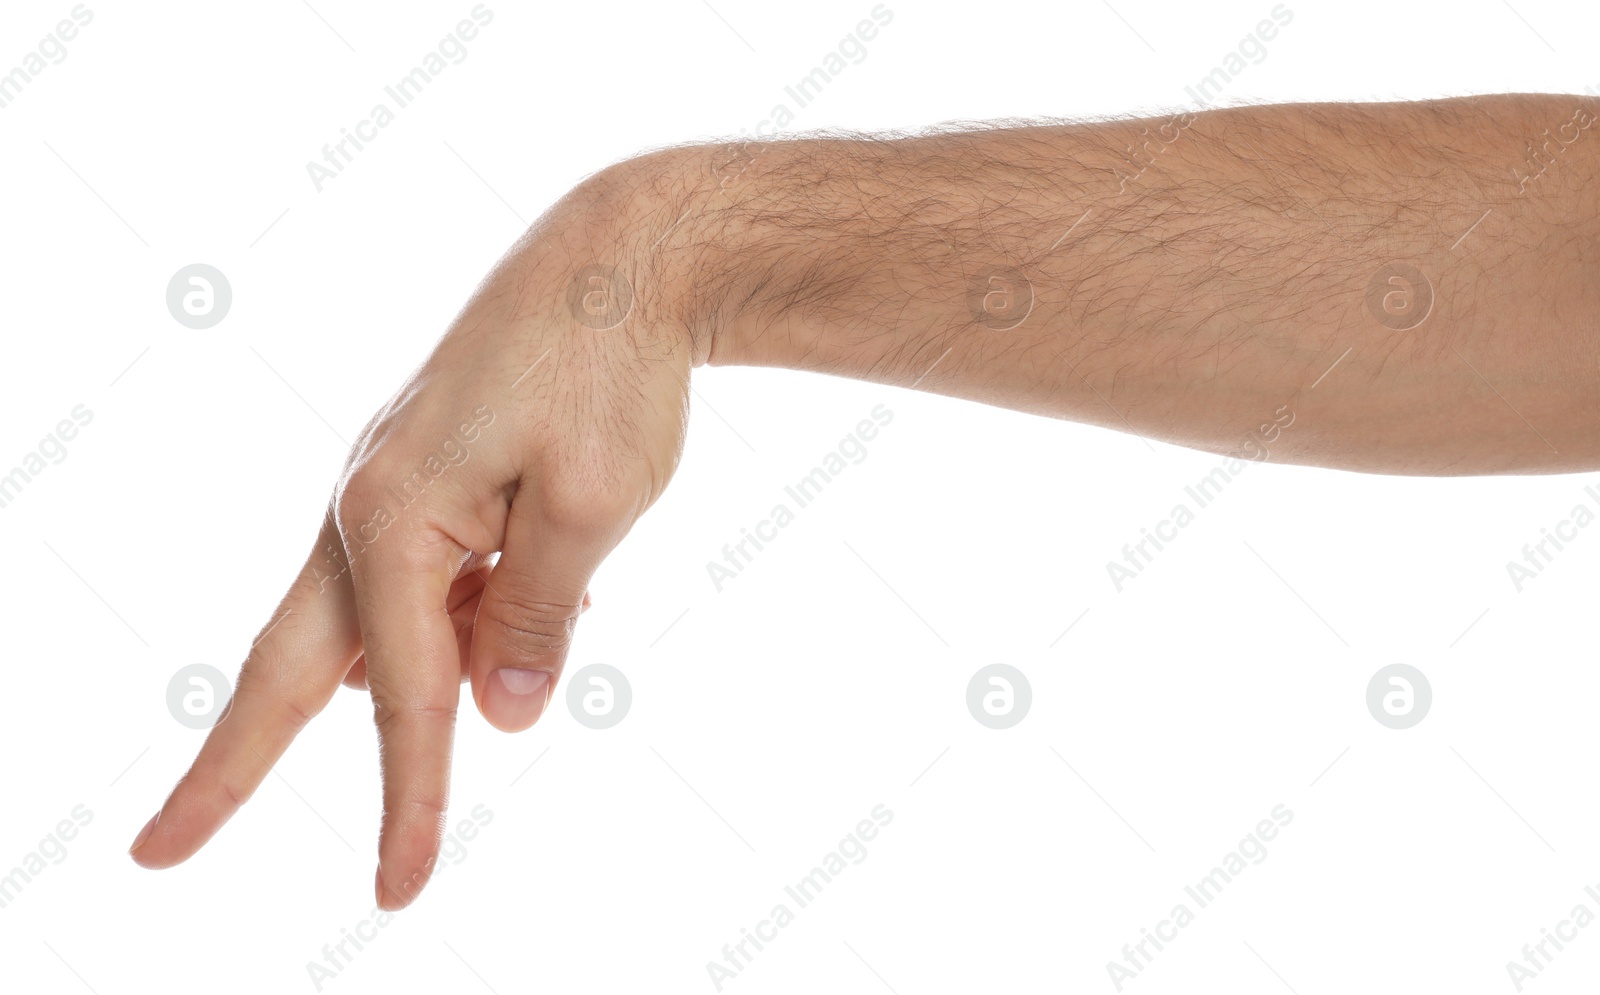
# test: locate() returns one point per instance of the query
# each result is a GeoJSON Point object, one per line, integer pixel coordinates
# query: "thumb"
{"type": "Point", "coordinates": [528, 612]}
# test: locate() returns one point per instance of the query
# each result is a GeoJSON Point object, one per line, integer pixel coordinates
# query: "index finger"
{"type": "Point", "coordinates": [290, 674]}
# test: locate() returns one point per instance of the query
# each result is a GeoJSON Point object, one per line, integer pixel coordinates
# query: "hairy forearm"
{"type": "Point", "coordinates": [1235, 263]}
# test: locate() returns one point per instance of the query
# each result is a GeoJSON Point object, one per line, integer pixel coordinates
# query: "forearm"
{"type": "Point", "coordinates": [1231, 265]}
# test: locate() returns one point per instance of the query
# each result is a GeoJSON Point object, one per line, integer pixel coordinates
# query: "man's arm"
{"type": "Point", "coordinates": [1189, 275]}
{"type": "Point", "coordinates": [1413, 285]}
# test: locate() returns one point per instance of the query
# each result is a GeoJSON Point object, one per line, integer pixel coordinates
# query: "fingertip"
{"type": "Point", "coordinates": [388, 900]}
{"type": "Point", "coordinates": [514, 697]}
{"type": "Point", "coordinates": [141, 839]}
{"type": "Point", "coordinates": [356, 676]}
{"type": "Point", "coordinates": [168, 839]}
{"type": "Point", "coordinates": [392, 899]}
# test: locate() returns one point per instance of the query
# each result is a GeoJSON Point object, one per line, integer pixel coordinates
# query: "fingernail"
{"type": "Point", "coordinates": [515, 698]}
{"type": "Point", "coordinates": [144, 833]}
{"type": "Point", "coordinates": [391, 900]}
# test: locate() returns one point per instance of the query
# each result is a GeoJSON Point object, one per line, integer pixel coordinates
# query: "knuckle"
{"type": "Point", "coordinates": [212, 780]}
{"type": "Point", "coordinates": [428, 805]}
{"type": "Point", "coordinates": [392, 712]}
{"type": "Point", "coordinates": [588, 505]}
{"type": "Point", "coordinates": [358, 493]}
{"type": "Point", "coordinates": [377, 524]}
{"type": "Point", "coordinates": [236, 794]}
{"type": "Point", "coordinates": [296, 712]}
{"type": "Point", "coordinates": [265, 677]}
{"type": "Point", "coordinates": [544, 627]}
{"type": "Point", "coordinates": [353, 509]}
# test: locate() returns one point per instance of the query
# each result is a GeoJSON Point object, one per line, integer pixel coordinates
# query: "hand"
{"type": "Point", "coordinates": [552, 413]}
{"type": "Point", "coordinates": [547, 420]}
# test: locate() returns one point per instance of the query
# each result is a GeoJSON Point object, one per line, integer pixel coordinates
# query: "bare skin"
{"type": "Point", "coordinates": [1417, 283]}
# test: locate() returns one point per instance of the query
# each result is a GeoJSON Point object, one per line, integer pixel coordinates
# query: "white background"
{"type": "Point", "coordinates": [825, 679]}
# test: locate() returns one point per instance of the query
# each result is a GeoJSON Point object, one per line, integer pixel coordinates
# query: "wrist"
{"type": "Point", "coordinates": [711, 244]}
{"type": "Point", "coordinates": [650, 217]}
